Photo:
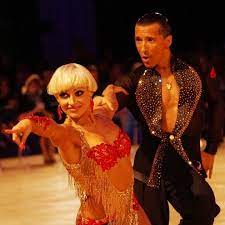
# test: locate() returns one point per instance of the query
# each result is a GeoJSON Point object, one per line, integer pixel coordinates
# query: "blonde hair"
{"type": "Point", "coordinates": [69, 76]}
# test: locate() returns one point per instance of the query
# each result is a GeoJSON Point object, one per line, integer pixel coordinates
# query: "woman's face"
{"type": "Point", "coordinates": [74, 102]}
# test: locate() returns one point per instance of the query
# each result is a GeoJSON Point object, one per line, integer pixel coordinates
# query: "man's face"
{"type": "Point", "coordinates": [151, 44]}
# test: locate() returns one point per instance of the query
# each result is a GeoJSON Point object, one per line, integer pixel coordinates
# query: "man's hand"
{"type": "Point", "coordinates": [207, 162]}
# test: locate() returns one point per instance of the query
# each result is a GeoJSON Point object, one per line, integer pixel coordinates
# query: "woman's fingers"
{"type": "Point", "coordinates": [118, 89]}
{"type": "Point", "coordinates": [108, 89]}
{"type": "Point", "coordinates": [110, 105]}
{"type": "Point", "coordinates": [9, 131]}
{"type": "Point", "coordinates": [24, 139]}
{"type": "Point", "coordinates": [18, 137]}
{"type": "Point", "coordinates": [113, 89]}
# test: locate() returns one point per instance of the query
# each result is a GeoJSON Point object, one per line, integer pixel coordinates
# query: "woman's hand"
{"type": "Point", "coordinates": [20, 132]}
{"type": "Point", "coordinates": [109, 97]}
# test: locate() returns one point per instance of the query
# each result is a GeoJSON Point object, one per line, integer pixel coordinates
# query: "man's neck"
{"type": "Point", "coordinates": [164, 68]}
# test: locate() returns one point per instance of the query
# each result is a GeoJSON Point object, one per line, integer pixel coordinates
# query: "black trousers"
{"type": "Point", "coordinates": [192, 198]}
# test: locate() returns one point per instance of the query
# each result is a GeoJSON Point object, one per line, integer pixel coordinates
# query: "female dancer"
{"type": "Point", "coordinates": [93, 149]}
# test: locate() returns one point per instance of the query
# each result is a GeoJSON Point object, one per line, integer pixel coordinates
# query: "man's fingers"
{"type": "Point", "coordinates": [210, 173]}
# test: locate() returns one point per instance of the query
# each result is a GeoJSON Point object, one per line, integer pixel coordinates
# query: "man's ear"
{"type": "Point", "coordinates": [169, 40]}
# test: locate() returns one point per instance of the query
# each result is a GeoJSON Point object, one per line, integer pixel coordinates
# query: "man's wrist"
{"type": "Point", "coordinates": [211, 148]}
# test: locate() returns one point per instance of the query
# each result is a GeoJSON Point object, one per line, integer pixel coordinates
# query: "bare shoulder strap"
{"type": "Point", "coordinates": [84, 143]}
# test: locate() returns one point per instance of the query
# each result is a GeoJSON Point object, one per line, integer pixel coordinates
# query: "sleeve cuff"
{"type": "Point", "coordinates": [211, 148]}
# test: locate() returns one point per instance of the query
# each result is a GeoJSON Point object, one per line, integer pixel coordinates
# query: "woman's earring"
{"type": "Point", "coordinates": [59, 112]}
{"type": "Point", "coordinates": [92, 105]}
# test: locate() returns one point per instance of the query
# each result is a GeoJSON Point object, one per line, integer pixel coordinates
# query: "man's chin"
{"type": "Point", "coordinates": [148, 65]}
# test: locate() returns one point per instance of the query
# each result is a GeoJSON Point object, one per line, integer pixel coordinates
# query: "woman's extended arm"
{"type": "Point", "coordinates": [42, 126]}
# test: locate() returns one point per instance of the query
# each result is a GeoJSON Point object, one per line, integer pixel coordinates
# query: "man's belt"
{"type": "Point", "coordinates": [141, 177]}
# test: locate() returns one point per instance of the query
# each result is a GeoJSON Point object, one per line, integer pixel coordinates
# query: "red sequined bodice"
{"type": "Point", "coordinates": [107, 155]}
{"type": "Point", "coordinates": [95, 186]}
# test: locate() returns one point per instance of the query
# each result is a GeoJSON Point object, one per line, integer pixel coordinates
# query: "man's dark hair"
{"type": "Point", "coordinates": [155, 17]}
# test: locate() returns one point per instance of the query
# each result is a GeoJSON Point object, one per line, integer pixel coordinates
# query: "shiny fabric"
{"type": "Point", "coordinates": [42, 121]}
{"type": "Point", "coordinates": [87, 221]}
{"type": "Point", "coordinates": [149, 99]}
{"type": "Point", "coordinates": [107, 155]}
{"type": "Point", "coordinates": [93, 185]}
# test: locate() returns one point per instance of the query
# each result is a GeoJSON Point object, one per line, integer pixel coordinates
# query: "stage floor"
{"type": "Point", "coordinates": [35, 194]}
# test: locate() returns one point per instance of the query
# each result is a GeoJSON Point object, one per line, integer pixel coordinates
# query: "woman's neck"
{"type": "Point", "coordinates": [86, 121]}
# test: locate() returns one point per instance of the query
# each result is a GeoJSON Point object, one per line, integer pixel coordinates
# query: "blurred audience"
{"type": "Point", "coordinates": [24, 92]}
{"type": "Point", "coordinates": [32, 102]}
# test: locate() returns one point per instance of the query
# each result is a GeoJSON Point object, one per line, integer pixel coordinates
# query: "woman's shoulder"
{"type": "Point", "coordinates": [101, 119]}
{"type": "Point", "coordinates": [71, 135]}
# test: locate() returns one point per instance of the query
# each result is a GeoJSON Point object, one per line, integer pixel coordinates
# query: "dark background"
{"type": "Point", "coordinates": [52, 30]}
{"type": "Point", "coordinates": [193, 25]}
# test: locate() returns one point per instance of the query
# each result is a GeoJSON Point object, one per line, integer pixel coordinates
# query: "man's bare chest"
{"type": "Point", "coordinates": [170, 93]}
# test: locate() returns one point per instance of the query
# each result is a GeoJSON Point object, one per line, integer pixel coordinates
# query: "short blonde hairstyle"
{"type": "Point", "coordinates": [69, 76]}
